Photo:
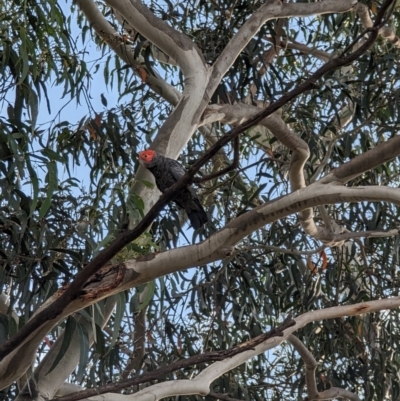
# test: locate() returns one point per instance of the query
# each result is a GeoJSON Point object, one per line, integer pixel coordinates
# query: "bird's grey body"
{"type": "Point", "coordinates": [167, 172]}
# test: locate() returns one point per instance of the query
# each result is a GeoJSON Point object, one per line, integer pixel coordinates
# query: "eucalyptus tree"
{"type": "Point", "coordinates": [286, 117]}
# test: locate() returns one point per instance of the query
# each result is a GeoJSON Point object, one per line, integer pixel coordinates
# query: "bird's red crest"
{"type": "Point", "coordinates": [146, 156]}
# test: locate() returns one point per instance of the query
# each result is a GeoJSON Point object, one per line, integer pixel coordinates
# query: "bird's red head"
{"type": "Point", "coordinates": [146, 156]}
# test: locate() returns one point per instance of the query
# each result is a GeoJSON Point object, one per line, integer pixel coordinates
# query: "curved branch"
{"type": "Point", "coordinates": [270, 10]}
{"type": "Point", "coordinates": [104, 29]}
{"type": "Point", "coordinates": [337, 392]}
{"type": "Point", "coordinates": [386, 32]}
{"type": "Point", "coordinates": [172, 42]}
{"type": "Point", "coordinates": [380, 154]}
{"type": "Point", "coordinates": [179, 364]}
{"type": "Point", "coordinates": [311, 365]}
{"type": "Point", "coordinates": [237, 113]}
{"type": "Point", "coordinates": [320, 54]}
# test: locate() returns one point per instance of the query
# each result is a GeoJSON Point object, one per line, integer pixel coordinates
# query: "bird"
{"type": "Point", "coordinates": [167, 172]}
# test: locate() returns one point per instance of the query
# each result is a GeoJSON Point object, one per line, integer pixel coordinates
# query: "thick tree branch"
{"type": "Point", "coordinates": [174, 366]}
{"type": "Point", "coordinates": [125, 51]}
{"type": "Point", "coordinates": [337, 392]}
{"type": "Point", "coordinates": [270, 10]}
{"type": "Point", "coordinates": [182, 122]}
{"type": "Point", "coordinates": [380, 154]}
{"type": "Point", "coordinates": [172, 42]}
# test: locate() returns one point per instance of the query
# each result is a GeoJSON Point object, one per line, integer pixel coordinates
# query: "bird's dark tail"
{"type": "Point", "coordinates": [198, 216]}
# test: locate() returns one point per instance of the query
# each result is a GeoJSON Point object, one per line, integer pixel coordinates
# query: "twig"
{"type": "Point", "coordinates": [283, 250]}
{"type": "Point", "coordinates": [366, 234]}
{"type": "Point", "coordinates": [311, 365]}
{"type": "Point", "coordinates": [222, 397]}
{"type": "Point", "coordinates": [233, 166]}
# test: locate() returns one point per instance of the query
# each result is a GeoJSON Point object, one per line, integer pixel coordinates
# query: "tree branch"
{"type": "Point", "coordinates": [226, 170]}
{"type": "Point", "coordinates": [278, 249]}
{"type": "Point", "coordinates": [366, 234]}
{"type": "Point", "coordinates": [104, 29]}
{"type": "Point", "coordinates": [320, 54]}
{"type": "Point", "coordinates": [380, 154]}
{"type": "Point", "coordinates": [172, 42]}
{"type": "Point", "coordinates": [174, 366]}
{"type": "Point", "coordinates": [311, 365]}
{"type": "Point", "coordinates": [270, 10]}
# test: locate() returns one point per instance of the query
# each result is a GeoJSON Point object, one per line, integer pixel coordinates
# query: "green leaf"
{"type": "Point", "coordinates": [147, 184]}
{"type": "Point", "coordinates": [68, 336]}
{"type": "Point", "coordinates": [137, 201]}
{"type": "Point", "coordinates": [100, 344]}
{"type": "Point", "coordinates": [3, 328]}
{"type": "Point", "coordinates": [24, 55]}
{"type": "Point", "coordinates": [33, 103]}
{"type": "Point", "coordinates": [51, 187]}
{"type": "Point", "coordinates": [150, 289]}
{"type": "Point", "coordinates": [119, 313]}
{"type": "Point", "coordinates": [53, 156]}
{"type": "Point", "coordinates": [84, 351]}
{"type": "Point", "coordinates": [109, 237]}
{"type": "Point", "coordinates": [13, 326]}
{"type": "Point", "coordinates": [35, 185]}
